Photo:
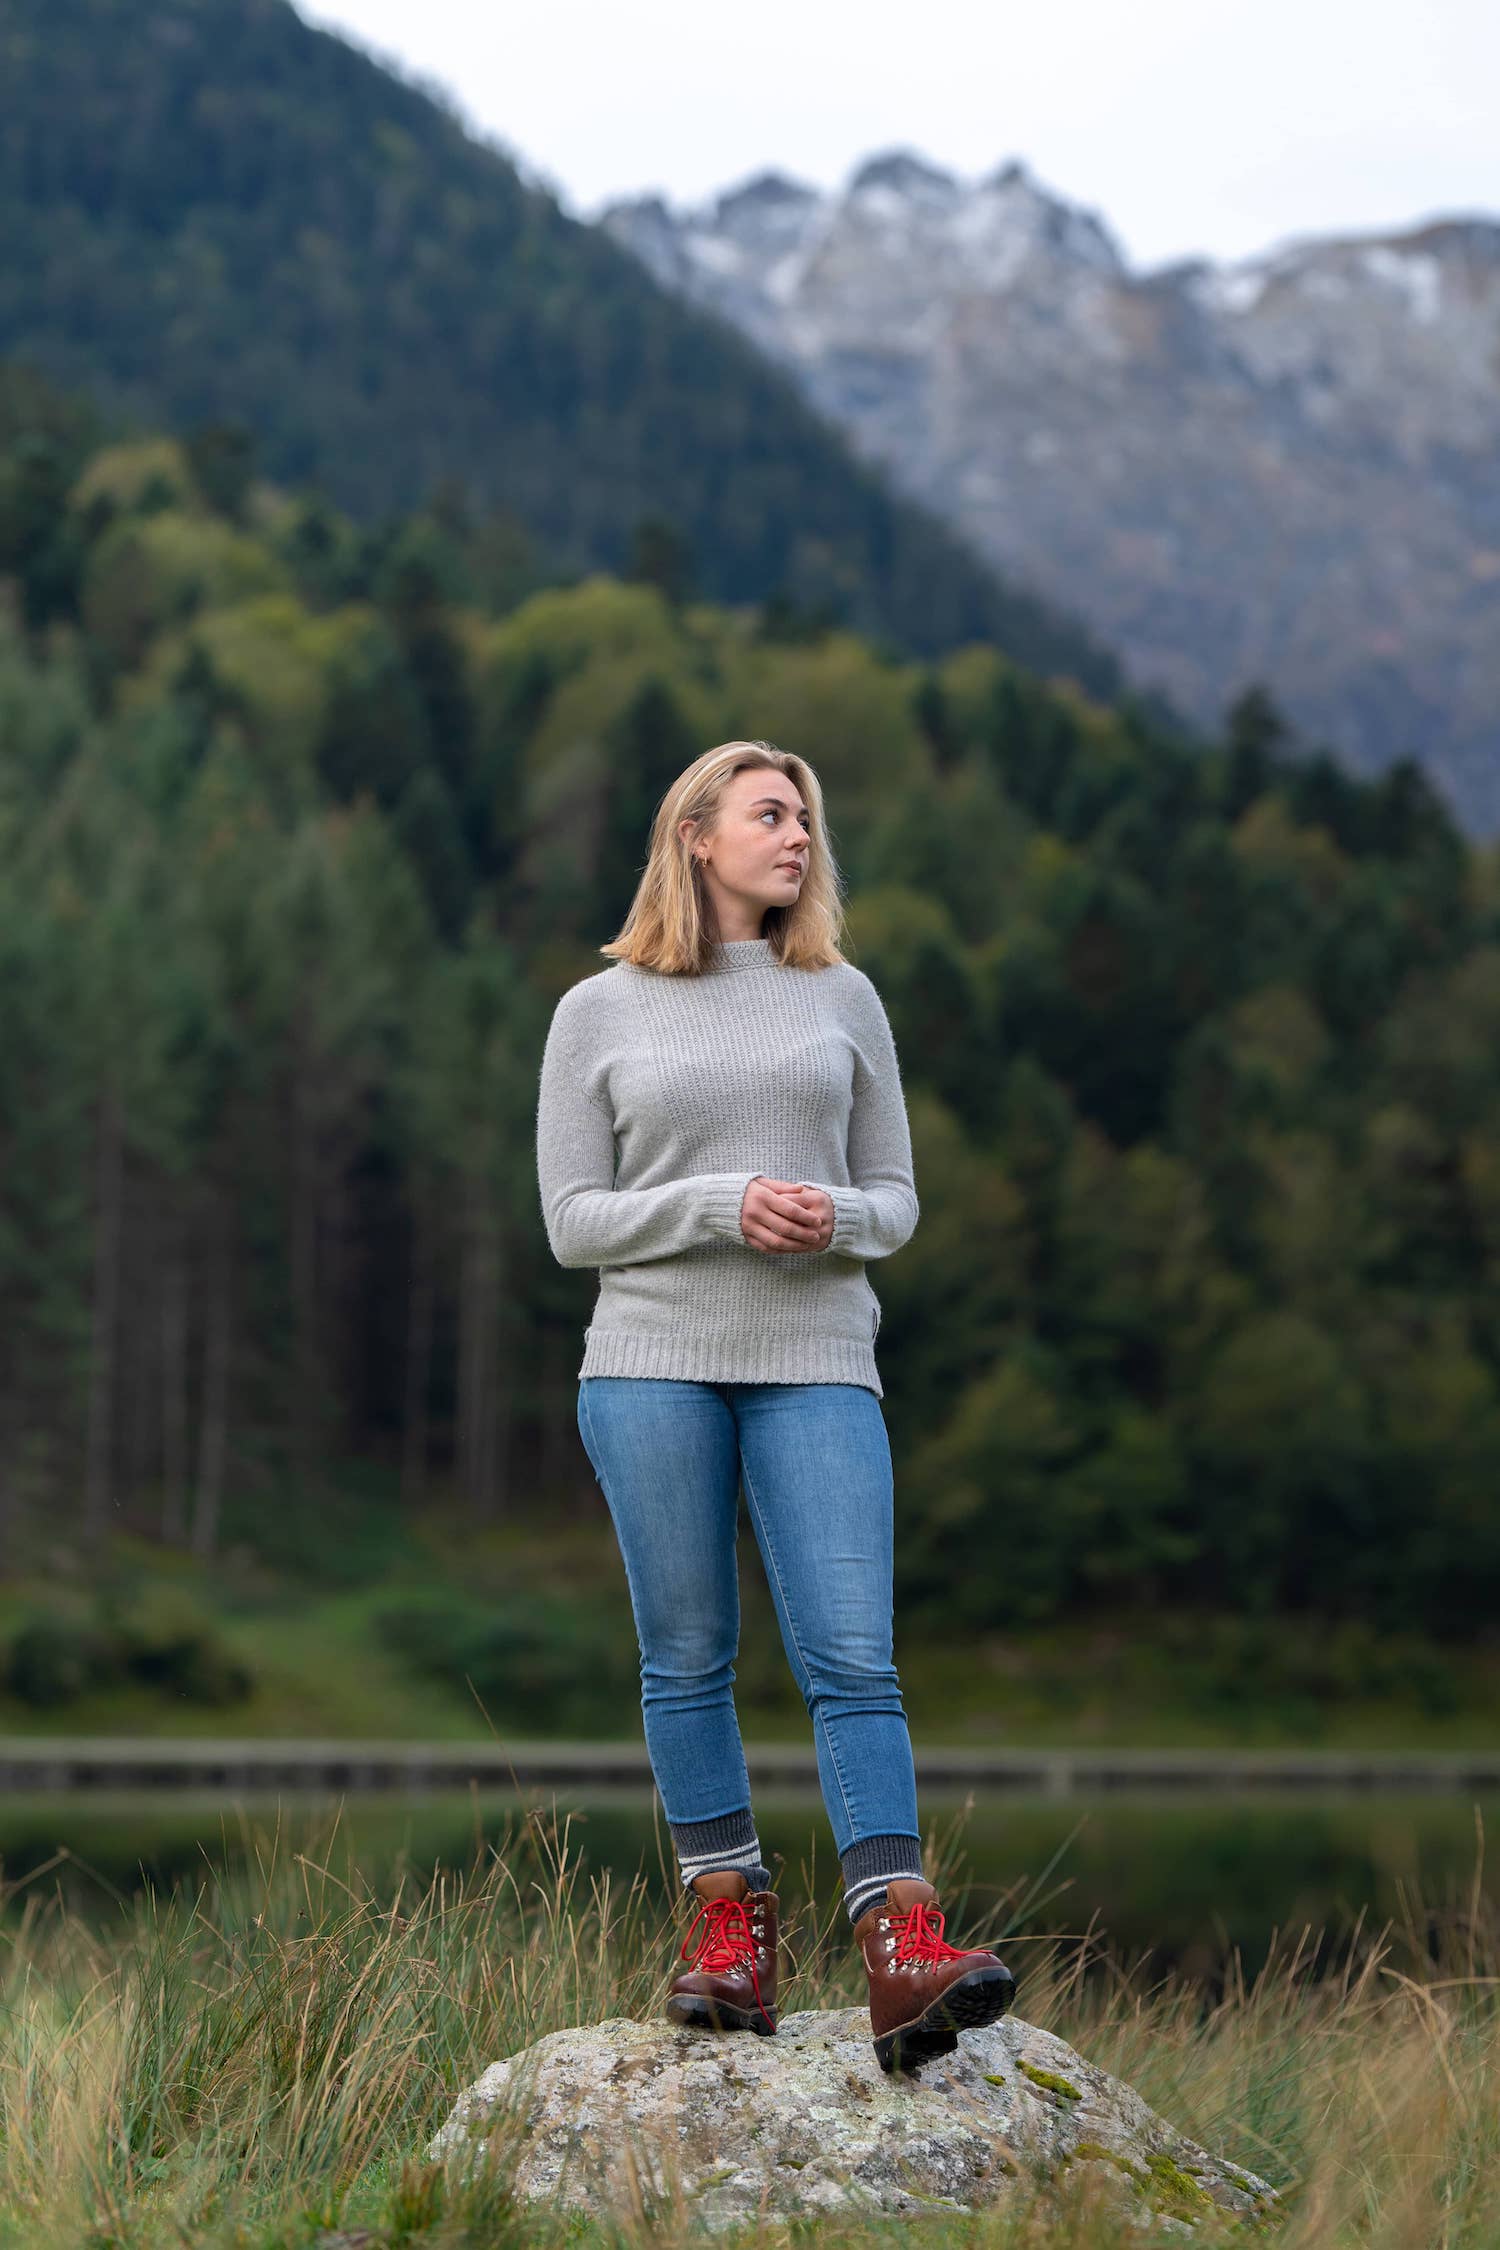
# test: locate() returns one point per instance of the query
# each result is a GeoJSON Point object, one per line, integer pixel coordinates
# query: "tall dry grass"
{"type": "Point", "coordinates": [260, 2059]}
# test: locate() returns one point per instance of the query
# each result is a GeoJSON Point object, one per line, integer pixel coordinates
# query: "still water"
{"type": "Point", "coordinates": [1175, 1885]}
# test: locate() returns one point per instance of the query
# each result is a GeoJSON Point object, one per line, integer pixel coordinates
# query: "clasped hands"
{"type": "Point", "coordinates": [781, 1215]}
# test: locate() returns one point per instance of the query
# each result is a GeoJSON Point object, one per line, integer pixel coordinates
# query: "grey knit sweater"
{"type": "Point", "coordinates": [661, 1099]}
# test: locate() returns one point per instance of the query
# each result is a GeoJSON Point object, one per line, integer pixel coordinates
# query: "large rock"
{"type": "Point", "coordinates": [621, 2116]}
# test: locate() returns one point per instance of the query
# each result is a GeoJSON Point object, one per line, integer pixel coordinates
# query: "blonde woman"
{"type": "Point", "coordinates": [721, 1132]}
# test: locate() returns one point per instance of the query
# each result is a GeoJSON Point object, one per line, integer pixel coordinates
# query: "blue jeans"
{"type": "Point", "coordinates": [816, 1464]}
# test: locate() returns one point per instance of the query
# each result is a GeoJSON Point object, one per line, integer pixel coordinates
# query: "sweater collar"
{"type": "Point", "coordinates": [729, 957]}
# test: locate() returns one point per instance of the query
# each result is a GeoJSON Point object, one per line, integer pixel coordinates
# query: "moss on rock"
{"type": "Point", "coordinates": [1050, 2079]}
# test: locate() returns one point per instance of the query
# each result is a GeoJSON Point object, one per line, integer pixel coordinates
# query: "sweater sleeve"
{"type": "Point", "coordinates": [589, 1221]}
{"type": "Point", "coordinates": [878, 1211]}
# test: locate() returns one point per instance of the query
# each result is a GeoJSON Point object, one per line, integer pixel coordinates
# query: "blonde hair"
{"type": "Point", "coordinates": [669, 926]}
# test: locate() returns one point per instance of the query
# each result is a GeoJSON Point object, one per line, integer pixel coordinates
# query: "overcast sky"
{"type": "Point", "coordinates": [1191, 126]}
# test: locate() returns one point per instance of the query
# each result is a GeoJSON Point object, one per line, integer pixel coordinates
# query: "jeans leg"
{"type": "Point", "coordinates": [816, 1461]}
{"type": "Point", "coordinates": [667, 1461]}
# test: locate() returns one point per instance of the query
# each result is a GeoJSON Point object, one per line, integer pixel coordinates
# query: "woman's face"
{"type": "Point", "coordinates": [757, 855]}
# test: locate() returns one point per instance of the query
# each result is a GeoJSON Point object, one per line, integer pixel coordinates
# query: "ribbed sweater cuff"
{"type": "Point", "coordinates": [848, 1217]}
{"type": "Point", "coordinates": [723, 1197]}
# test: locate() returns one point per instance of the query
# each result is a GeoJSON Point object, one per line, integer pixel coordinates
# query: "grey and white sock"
{"type": "Point", "coordinates": [704, 1846]}
{"type": "Point", "coordinates": [873, 1861]}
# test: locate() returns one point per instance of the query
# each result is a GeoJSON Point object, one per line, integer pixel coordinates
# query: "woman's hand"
{"type": "Point", "coordinates": [780, 1215]}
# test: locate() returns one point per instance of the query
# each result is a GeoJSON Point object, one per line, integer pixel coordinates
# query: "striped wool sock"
{"type": "Point", "coordinates": [704, 1846]}
{"type": "Point", "coordinates": [871, 1863]}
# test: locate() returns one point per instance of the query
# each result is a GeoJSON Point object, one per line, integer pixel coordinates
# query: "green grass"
{"type": "Point", "coordinates": [260, 2058]}
{"type": "Point", "coordinates": [304, 1615]}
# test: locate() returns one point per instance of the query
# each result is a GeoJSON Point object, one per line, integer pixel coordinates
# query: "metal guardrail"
{"type": "Point", "coordinates": [37, 1764]}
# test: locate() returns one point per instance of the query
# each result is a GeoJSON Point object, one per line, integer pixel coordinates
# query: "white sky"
{"type": "Point", "coordinates": [1191, 126]}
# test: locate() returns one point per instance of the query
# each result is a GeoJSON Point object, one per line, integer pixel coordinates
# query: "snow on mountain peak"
{"type": "Point", "coordinates": [901, 172]}
{"type": "Point", "coordinates": [763, 217]}
{"type": "Point", "coordinates": [764, 192]}
{"type": "Point", "coordinates": [1012, 199]}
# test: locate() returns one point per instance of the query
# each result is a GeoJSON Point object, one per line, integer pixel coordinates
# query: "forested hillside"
{"type": "Point", "coordinates": [300, 839]}
{"type": "Point", "coordinates": [211, 210]}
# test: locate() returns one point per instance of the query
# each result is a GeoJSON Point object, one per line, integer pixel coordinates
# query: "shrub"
{"type": "Point", "coordinates": [54, 1658]}
{"type": "Point", "coordinates": [534, 1659]}
{"type": "Point", "coordinates": [194, 1664]}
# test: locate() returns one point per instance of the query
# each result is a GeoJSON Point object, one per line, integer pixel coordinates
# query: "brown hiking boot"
{"type": "Point", "coordinates": [924, 1991]}
{"type": "Point", "coordinates": [731, 1945]}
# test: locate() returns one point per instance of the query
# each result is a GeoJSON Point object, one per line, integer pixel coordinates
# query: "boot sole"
{"type": "Point", "coordinates": [717, 2015]}
{"type": "Point", "coordinates": [979, 1998]}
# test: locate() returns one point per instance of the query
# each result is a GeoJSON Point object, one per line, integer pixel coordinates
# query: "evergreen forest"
{"type": "Point", "coordinates": [305, 826]}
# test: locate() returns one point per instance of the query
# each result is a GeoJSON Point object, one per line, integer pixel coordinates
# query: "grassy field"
{"type": "Point", "coordinates": [260, 2060]}
{"type": "Point", "coordinates": [364, 1623]}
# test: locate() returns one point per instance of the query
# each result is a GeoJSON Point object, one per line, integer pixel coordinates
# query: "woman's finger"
{"type": "Point", "coordinates": [766, 1238]}
{"type": "Point", "coordinates": [778, 1245]}
{"type": "Point", "coordinates": [786, 1215]}
{"type": "Point", "coordinates": [796, 1229]}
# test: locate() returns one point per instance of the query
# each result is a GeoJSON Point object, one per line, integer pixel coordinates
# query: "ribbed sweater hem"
{"type": "Point", "coordinates": [682, 1359]}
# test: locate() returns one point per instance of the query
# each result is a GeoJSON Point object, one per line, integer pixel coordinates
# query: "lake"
{"type": "Point", "coordinates": [1181, 1884]}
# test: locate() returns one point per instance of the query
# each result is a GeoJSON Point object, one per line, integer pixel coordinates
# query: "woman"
{"type": "Point", "coordinates": [733, 1338]}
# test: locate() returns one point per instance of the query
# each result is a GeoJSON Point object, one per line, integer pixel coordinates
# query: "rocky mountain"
{"type": "Point", "coordinates": [1284, 469]}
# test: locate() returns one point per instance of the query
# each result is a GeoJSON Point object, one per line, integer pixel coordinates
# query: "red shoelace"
{"type": "Point", "coordinates": [922, 1938]}
{"type": "Point", "coordinates": [728, 1942]}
